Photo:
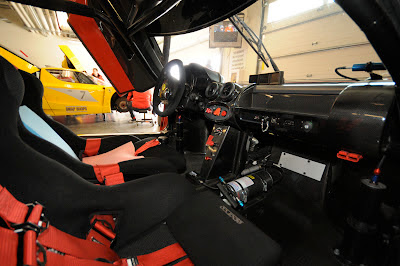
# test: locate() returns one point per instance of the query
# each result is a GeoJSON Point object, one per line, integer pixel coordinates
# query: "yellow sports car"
{"type": "Point", "coordinates": [69, 91]}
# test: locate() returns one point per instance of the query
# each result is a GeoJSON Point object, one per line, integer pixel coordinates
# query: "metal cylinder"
{"type": "Point", "coordinates": [250, 186]}
{"type": "Point", "coordinates": [250, 170]}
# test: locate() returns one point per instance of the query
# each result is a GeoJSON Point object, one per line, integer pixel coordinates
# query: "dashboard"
{"type": "Point", "coordinates": [345, 116]}
{"type": "Point", "coordinates": [209, 95]}
{"type": "Point", "coordinates": [221, 100]}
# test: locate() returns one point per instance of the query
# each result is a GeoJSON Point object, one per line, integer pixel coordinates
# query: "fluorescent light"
{"type": "Point", "coordinates": [62, 18]}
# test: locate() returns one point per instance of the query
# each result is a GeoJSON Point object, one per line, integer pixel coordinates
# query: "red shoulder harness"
{"type": "Point", "coordinates": [92, 147]}
{"type": "Point", "coordinates": [44, 244]}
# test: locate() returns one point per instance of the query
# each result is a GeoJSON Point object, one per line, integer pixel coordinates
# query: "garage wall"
{"type": "Point", "coordinates": [194, 48]}
{"type": "Point", "coordinates": [252, 17]}
{"type": "Point", "coordinates": [40, 50]}
{"type": "Point", "coordinates": [309, 46]}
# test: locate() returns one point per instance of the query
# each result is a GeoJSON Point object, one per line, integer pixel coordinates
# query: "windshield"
{"type": "Point", "coordinates": [70, 76]}
{"type": "Point", "coordinates": [307, 41]}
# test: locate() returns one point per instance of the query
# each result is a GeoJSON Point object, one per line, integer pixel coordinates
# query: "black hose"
{"type": "Point", "coordinates": [343, 76]}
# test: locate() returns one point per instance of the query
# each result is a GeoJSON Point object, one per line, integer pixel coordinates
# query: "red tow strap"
{"type": "Point", "coordinates": [92, 147]}
{"type": "Point", "coordinates": [146, 146]}
{"type": "Point", "coordinates": [46, 245]}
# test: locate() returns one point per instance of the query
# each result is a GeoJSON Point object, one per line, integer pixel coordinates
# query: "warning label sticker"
{"type": "Point", "coordinates": [245, 181]}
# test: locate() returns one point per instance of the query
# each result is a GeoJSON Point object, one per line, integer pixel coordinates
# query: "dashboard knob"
{"type": "Point", "coordinates": [194, 97]}
{"type": "Point", "coordinates": [201, 105]}
{"type": "Point", "coordinates": [307, 126]}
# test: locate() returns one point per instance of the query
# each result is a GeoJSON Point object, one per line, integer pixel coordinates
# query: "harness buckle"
{"type": "Point", "coordinates": [104, 228]}
{"type": "Point", "coordinates": [41, 250]}
{"type": "Point", "coordinates": [42, 225]}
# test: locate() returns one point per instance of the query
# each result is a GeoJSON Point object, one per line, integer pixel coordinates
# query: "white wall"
{"type": "Point", "coordinates": [252, 17]}
{"type": "Point", "coordinates": [194, 48]}
{"type": "Point", "coordinates": [309, 46]}
{"type": "Point", "coordinates": [42, 51]}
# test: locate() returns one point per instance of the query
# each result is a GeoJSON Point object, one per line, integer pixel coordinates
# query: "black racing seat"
{"type": "Point", "coordinates": [151, 212]}
{"type": "Point", "coordinates": [158, 159]}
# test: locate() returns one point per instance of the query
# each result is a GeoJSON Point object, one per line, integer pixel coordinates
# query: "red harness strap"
{"type": "Point", "coordinates": [44, 244]}
{"type": "Point", "coordinates": [11, 210]}
{"type": "Point", "coordinates": [8, 247]}
{"type": "Point", "coordinates": [92, 147]}
{"type": "Point", "coordinates": [102, 230]}
{"type": "Point", "coordinates": [108, 174]}
{"type": "Point", "coordinates": [150, 144]}
{"type": "Point", "coordinates": [163, 256]}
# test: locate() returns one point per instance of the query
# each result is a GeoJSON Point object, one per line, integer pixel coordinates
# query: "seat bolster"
{"type": "Point", "coordinates": [164, 152]}
{"type": "Point", "coordinates": [145, 167]}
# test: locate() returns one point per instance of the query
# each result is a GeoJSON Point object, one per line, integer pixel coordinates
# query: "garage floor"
{"type": "Point", "coordinates": [115, 124]}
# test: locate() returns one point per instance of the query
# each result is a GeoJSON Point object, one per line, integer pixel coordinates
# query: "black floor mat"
{"type": "Point", "coordinates": [152, 240]}
{"type": "Point", "coordinates": [303, 231]}
{"type": "Point", "coordinates": [301, 228]}
{"type": "Point", "coordinates": [194, 161]}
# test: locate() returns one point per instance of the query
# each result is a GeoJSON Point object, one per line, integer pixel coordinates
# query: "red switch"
{"type": "Point", "coordinates": [210, 141]}
{"type": "Point", "coordinates": [217, 111]}
{"type": "Point", "coordinates": [223, 113]}
{"type": "Point", "coordinates": [352, 157]}
{"type": "Point", "coordinates": [208, 158]}
{"type": "Point", "coordinates": [208, 111]}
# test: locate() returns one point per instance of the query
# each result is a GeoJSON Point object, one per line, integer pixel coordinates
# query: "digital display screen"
{"type": "Point", "coordinates": [225, 34]}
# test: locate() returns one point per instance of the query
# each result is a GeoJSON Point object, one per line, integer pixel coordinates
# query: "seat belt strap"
{"type": "Point", "coordinates": [66, 260]}
{"type": "Point", "coordinates": [8, 247]}
{"type": "Point", "coordinates": [163, 256]}
{"type": "Point", "coordinates": [114, 179]}
{"type": "Point", "coordinates": [109, 174]}
{"type": "Point", "coordinates": [185, 262]}
{"type": "Point", "coordinates": [92, 147]}
{"type": "Point", "coordinates": [70, 245]}
{"type": "Point", "coordinates": [43, 243]}
{"type": "Point", "coordinates": [11, 210]}
{"type": "Point", "coordinates": [150, 144]}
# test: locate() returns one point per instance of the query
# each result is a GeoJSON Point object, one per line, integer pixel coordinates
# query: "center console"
{"type": "Point", "coordinates": [221, 148]}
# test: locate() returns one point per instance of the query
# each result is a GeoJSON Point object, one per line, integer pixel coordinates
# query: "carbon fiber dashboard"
{"type": "Point", "coordinates": [348, 116]}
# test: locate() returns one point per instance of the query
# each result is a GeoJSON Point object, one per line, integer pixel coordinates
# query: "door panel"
{"type": "Point", "coordinates": [71, 92]}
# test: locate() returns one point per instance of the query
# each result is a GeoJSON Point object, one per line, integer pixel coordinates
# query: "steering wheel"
{"type": "Point", "coordinates": [170, 88]}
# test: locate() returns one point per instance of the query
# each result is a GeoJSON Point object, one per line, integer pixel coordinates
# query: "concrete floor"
{"type": "Point", "coordinates": [115, 124]}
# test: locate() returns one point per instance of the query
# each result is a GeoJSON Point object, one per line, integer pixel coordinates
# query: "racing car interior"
{"type": "Point", "coordinates": [266, 172]}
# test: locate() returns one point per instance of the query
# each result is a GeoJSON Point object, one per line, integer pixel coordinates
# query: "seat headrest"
{"type": "Point", "coordinates": [11, 84]}
{"type": "Point", "coordinates": [33, 92]}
